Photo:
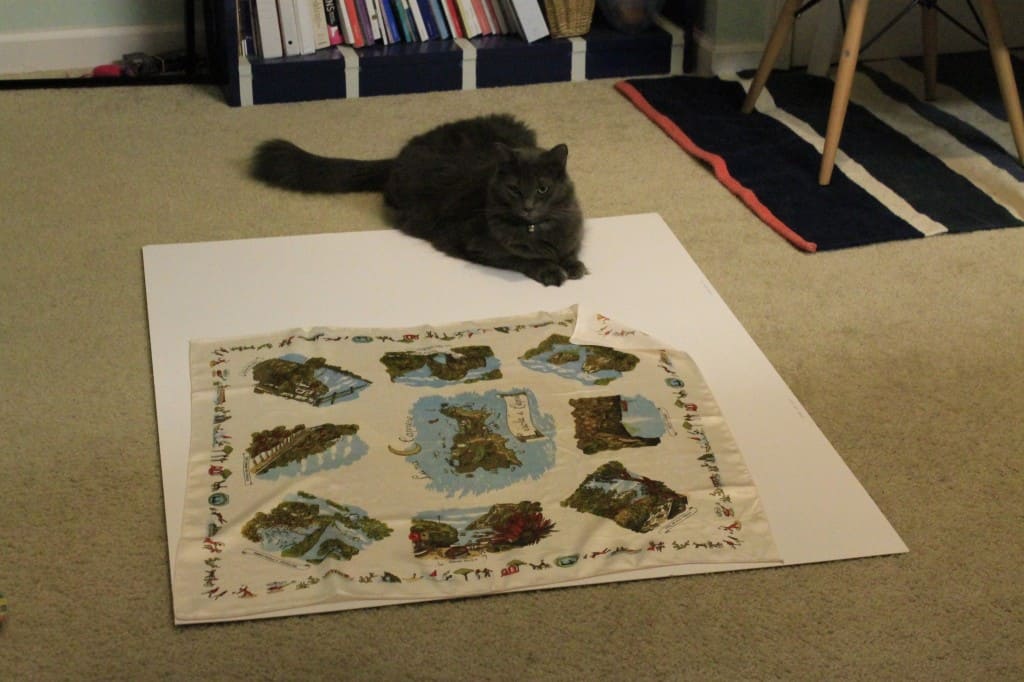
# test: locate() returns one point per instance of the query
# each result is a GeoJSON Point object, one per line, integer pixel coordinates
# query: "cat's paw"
{"type": "Point", "coordinates": [574, 269]}
{"type": "Point", "coordinates": [548, 274]}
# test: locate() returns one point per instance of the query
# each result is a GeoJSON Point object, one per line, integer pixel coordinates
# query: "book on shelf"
{"type": "Point", "coordinates": [333, 21]}
{"type": "Point", "coordinates": [351, 19]}
{"type": "Point", "coordinates": [246, 29]}
{"type": "Point", "coordinates": [532, 26]}
{"type": "Point", "coordinates": [451, 15]}
{"type": "Point", "coordinates": [513, 18]}
{"type": "Point", "coordinates": [306, 26]}
{"type": "Point", "coordinates": [365, 26]}
{"type": "Point", "coordinates": [298, 27]}
{"type": "Point", "coordinates": [434, 21]}
{"type": "Point", "coordinates": [417, 20]}
{"type": "Point", "coordinates": [499, 16]}
{"type": "Point", "coordinates": [414, 20]}
{"type": "Point", "coordinates": [510, 17]}
{"type": "Point", "coordinates": [375, 20]}
{"type": "Point", "coordinates": [394, 11]}
{"type": "Point", "coordinates": [290, 40]}
{"type": "Point", "coordinates": [321, 36]}
{"type": "Point", "coordinates": [429, 27]}
{"type": "Point", "coordinates": [436, 11]}
{"type": "Point", "coordinates": [404, 21]}
{"type": "Point", "coordinates": [468, 16]}
{"type": "Point", "coordinates": [268, 29]}
{"type": "Point", "coordinates": [390, 23]}
{"type": "Point", "coordinates": [345, 24]}
{"type": "Point", "coordinates": [480, 10]}
{"type": "Point", "coordinates": [366, 23]}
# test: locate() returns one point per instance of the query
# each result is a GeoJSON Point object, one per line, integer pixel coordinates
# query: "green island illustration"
{"type": "Point", "coordinates": [599, 425]}
{"type": "Point", "coordinates": [472, 443]}
{"type": "Point", "coordinates": [310, 380]}
{"type": "Point", "coordinates": [475, 445]}
{"type": "Point", "coordinates": [314, 529]}
{"type": "Point", "coordinates": [462, 533]}
{"type": "Point", "coordinates": [635, 502]}
{"type": "Point", "coordinates": [465, 364]}
{"type": "Point", "coordinates": [280, 446]}
{"type": "Point", "coordinates": [598, 365]}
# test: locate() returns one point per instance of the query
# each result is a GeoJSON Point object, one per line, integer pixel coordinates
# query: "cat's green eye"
{"type": "Point", "coordinates": [542, 189]}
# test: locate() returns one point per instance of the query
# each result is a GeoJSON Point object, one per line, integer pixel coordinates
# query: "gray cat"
{"type": "Point", "coordinates": [479, 189]}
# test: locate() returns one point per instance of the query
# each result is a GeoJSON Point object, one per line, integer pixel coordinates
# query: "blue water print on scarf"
{"type": "Point", "coordinates": [434, 369]}
{"type": "Point", "coordinates": [473, 443]}
{"type": "Point", "coordinates": [466, 533]}
{"type": "Point", "coordinates": [590, 365]}
{"type": "Point", "coordinates": [313, 529]}
{"type": "Point", "coordinates": [308, 380]}
{"type": "Point", "coordinates": [348, 450]}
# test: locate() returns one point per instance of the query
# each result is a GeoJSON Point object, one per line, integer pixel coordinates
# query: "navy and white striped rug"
{"type": "Point", "coordinates": [906, 168]}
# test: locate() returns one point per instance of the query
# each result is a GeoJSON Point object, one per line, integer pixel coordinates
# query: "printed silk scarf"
{"type": "Point", "coordinates": [351, 467]}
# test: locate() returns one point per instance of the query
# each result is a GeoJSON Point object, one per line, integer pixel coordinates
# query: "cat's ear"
{"type": "Point", "coordinates": [558, 154]}
{"type": "Point", "coordinates": [505, 153]}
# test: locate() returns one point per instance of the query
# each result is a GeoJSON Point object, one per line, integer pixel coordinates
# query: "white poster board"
{"type": "Point", "coordinates": [640, 275]}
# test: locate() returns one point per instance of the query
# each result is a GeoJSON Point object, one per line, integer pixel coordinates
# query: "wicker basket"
{"type": "Point", "coordinates": [568, 17]}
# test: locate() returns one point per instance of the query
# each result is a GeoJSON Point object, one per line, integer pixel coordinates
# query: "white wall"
{"type": "Point", "coordinates": [904, 39]}
{"type": "Point", "coordinates": [45, 35]}
{"type": "Point", "coordinates": [732, 33]}
{"type": "Point", "coordinates": [55, 35]}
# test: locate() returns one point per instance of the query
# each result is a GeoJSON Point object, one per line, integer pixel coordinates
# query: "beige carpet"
{"type": "Point", "coordinates": [909, 356]}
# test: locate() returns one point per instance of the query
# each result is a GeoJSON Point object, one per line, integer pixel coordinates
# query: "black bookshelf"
{"type": "Point", "coordinates": [409, 67]}
{"type": "Point", "coordinates": [489, 61]}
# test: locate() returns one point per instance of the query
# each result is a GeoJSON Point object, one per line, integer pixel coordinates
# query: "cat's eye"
{"type": "Point", "coordinates": [542, 188]}
{"type": "Point", "coordinates": [513, 189]}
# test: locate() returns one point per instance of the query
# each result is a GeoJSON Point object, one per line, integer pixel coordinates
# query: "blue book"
{"type": "Point", "coordinates": [404, 21]}
{"type": "Point", "coordinates": [428, 19]}
{"type": "Point", "coordinates": [439, 19]}
{"type": "Point", "coordinates": [390, 23]}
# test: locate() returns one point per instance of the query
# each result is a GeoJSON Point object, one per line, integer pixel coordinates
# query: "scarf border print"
{"type": "Point", "coordinates": [220, 464]}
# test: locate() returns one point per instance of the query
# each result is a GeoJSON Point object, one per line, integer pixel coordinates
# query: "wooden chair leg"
{"type": "Point", "coordinates": [1004, 72]}
{"type": "Point", "coordinates": [844, 83]}
{"type": "Point", "coordinates": [782, 29]}
{"type": "Point", "coordinates": [930, 43]}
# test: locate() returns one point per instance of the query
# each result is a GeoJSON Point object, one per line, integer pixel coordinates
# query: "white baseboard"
{"type": "Point", "coordinates": [717, 58]}
{"type": "Point", "coordinates": [84, 48]}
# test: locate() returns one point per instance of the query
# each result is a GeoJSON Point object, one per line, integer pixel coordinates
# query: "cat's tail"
{"type": "Point", "coordinates": [282, 164]}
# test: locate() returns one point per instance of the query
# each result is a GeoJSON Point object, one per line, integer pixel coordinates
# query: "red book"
{"type": "Point", "coordinates": [451, 13]}
{"type": "Point", "coordinates": [353, 16]}
{"type": "Point", "coordinates": [481, 17]}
